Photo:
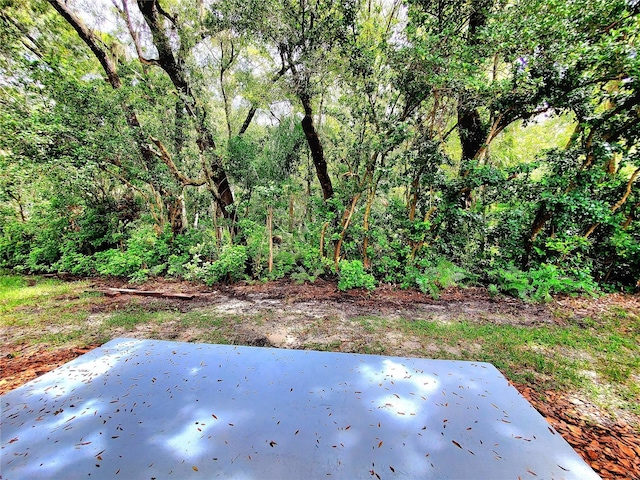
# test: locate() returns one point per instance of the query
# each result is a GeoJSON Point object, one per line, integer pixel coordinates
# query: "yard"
{"type": "Point", "coordinates": [576, 359]}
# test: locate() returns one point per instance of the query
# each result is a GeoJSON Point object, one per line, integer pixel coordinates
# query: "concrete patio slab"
{"type": "Point", "coordinates": [144, 409]}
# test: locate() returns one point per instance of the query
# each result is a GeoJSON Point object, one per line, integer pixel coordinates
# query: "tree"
{"type": "Point", "coordinates": [419, 120]}
{"type": "Point", "coordinates": [306, 36]}
{"type": "Point", "coordinates": [174, 64]}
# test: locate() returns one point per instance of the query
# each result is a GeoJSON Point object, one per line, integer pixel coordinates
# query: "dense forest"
{"type": "Point", "coordinates": [422, 143]}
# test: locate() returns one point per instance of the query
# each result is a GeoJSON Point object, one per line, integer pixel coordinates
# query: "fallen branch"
{"type": "Point", "coordinates": [113, 292]}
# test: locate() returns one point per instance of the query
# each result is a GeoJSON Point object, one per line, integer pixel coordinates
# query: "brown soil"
{"type": "Point", "coordinates": [323, 296]}
{"type": "Point", "coordinates": [27, 363]}
{"type": "Point", "coordinates": [301, 316]}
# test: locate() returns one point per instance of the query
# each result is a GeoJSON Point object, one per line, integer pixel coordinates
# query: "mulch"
{"type": "Point", "coordinates": [18, 368]}
{"type": "Point", "coordinates": [613, 450]}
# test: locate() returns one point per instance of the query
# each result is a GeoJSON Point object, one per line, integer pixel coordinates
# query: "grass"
{"type": "Point", "coordinates": [598, 356]}
{"type": "Point", "coordinates": [45, 310]}
{"type": "Point", "coordinates": [371, 323]}
{"type": "Point", "coordinates": [61, 338]}
{"type": "Point", "coordinates": [553, 356]}
{"type": "Point", "coordinates": [130, 317]}
{"type": "Point", "coordinates": [16, 292]}
{"type": "Point", "coordinates": [322, 347]}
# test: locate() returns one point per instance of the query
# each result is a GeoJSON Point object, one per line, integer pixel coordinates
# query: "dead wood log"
{"type": "Point", "coordinates": [113, 292]}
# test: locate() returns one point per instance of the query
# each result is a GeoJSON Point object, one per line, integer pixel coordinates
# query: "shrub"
{"type": "Point", "coordinates": [15, 244]}
{"type": "Point", "coordinates": [431, 279]}
{"type": "Point", "coordinates": [75, 263]}
{"type": "Point", "coordinates": [117, 263]}
{"type": "Point", "coordinates": [300, 276]}
{"type": "Point", "coordinates": [283, 264]}
{"type": "Point", "coordinates": [353, 275]}
{"type": "Point", "coordinates": [540, 283]}
{"type": "Point", "coordinates": [146, 253]}
{"type": "Point", "coordinates": [230, 265]}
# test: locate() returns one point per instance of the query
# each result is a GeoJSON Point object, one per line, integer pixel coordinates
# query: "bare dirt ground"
{"type": "Point", "coordinates": [297, 316]}
{"type": "Point", "coordinates": [286, 315]}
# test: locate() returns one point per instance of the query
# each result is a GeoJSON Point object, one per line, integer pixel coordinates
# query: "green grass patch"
{"type": "Point", "coordinates": [60, 338]}
{"type": "Point", "coordinates": [34, 292]}
{"type": "Point", "coordinates": [204, 319]}
{"type": "Point", "coordinates": [135, 315]}
{"type": "Point", "coordinates": [630, 396]}
{"type": "Point", "coordinates": [323, 347]}
{"type": "Point", "coordinates": [36, 302]}
{"type": "Point", "coordinates": [11, 282]}
{"type": "Point", "coordinates": [213, 337]}
{"type": "Point", "coordinates": [371, 324]}
{"type": "Point", "coordinates": [549, 356]}
{"type": "Point", "coordinates": [374, 348]}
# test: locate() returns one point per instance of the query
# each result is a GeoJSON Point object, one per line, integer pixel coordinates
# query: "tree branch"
{"type": "Point", "coordinates": [252, 111]}
{"type": "Point", "coordinates": [135, 36]}
{"type": "Point", "coordinates": [98, 48]}
{"type": "Point", "coordinates": [168, 161]}
{"type": "Point", "coordinates": [627, 191]}
{"type": "Point", "coordinates": [619, 203]}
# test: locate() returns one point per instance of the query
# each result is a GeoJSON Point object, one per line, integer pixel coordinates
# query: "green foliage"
{"type": "Point", "coordinates": [228, 266]}
{"type": "Point", "coordinates": [145, 252]}
{"type": "Point", "coordinates": [117, 263]}
{"type": "Point", "coordinates": [539, 284]}
{"type": "Point", "coordinates": [300, 276]}
{"type": "Point", "coordinates": [433, 278]}
{"type": "Point", "coordinates": [130, 317]}
{"type": "Point", "coordinates": [11, 282]}
{"type": "Point", "coordinates": [74, 262]}
{"type": "Point", "coordinates": [15, 244]}
{"type": "Point", "coordinates": [502, 149]}
{"type": "Point", "coordinates": [353, 275]}
{"type": "Point", "coordinates": [283, 264]}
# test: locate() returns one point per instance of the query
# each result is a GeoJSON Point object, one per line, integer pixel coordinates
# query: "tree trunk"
{"type": "Point", "coordinates": [470, 128]}
{"type": "Point", "coordinates": [175, 216]}
{"type": "Point", "coordinates": [247, 120]}
{"type": "Point", "coordinates": [542, 217]}
{"type": "Point", "coordinates": [471, 131]}
{"type": "Point", "coordinates": [291, 214]}
{"type": "Point", "coordinates": [17, 199]}
{"type": "Point", "coordinates": [98, 49]}
{"type": "Point", "coordinates": [317, 152]}
{"type": "Point", "coordinates": [322, 235]}
{"type": "Point", "coordinates": [371, 194]}
{"type": "Point", "coordinates": [91, 40]}
{"type": "Point", "coordinates": [270, 236]}
{"type": "Point", "coordinates": [346, 219]}
{"type": "Point", "coordinates": [174, 67]}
